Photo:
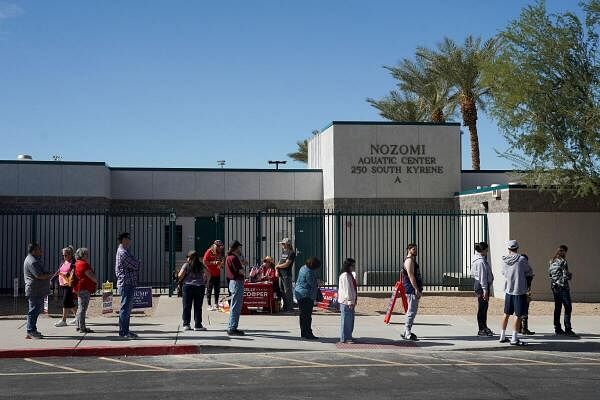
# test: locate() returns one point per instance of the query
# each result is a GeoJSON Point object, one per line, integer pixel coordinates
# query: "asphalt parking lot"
{"type": "Point", "coordinates": [310, 374]}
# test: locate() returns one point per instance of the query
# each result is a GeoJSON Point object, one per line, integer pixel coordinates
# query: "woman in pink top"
{"type": "Point", "coordinates": [64, 272]}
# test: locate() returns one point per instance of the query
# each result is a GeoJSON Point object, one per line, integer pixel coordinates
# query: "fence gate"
{"type": "Point", "coordinates": [152, 242]}
{"type": "Point", "coordinates": [377, 242]}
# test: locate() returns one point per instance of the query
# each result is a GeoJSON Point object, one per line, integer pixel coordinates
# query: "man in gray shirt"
{"type": "Point", "coordinates": [515, 269]}
{"type": "Point", "coordinates": [37, 287]}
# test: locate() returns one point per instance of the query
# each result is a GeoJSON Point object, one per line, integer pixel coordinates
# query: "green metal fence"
{"type": "Point", "coordinates": [96, 230]}
{"type": "Point", "coordinates": [377, 242]}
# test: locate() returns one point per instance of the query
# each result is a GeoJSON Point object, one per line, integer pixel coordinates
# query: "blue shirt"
{"type": "Point", "coordinates": [306, 284]}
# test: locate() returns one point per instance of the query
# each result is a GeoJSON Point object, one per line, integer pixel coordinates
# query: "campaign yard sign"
{"type": "Point", "coordinates": [330, 300]}
{"type": "Point", "coordinates": [142, 297]}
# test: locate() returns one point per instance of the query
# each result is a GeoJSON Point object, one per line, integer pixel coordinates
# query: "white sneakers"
{"type": "Point", "coordinates": [60, 323]}
{"type": "Point", "coordinates": [187, 328]}
{"type": "Point", "coordinates": [72, 322]}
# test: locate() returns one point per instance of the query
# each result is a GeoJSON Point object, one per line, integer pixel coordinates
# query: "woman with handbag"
{"type": "Point", "coordinates": [193, 275]}
{"type": "Point", "coordinates": [306, 293]}
{"type": "Point", "coordinates": [347, 296]}
{"type": "Point", "coordinates": [66, 280]}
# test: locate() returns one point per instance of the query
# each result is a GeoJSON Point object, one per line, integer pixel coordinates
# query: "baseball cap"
{"type": "Point", "coordinates": [285, 241]}
{"type": "Point", "coordinates": [218, 242]}
{"type": "Point", "coordinates": [512, 245]}
{"type": "Point", "coordinates": [235, 244]}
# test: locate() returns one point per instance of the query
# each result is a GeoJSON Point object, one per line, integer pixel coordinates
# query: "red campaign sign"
{"type": "Point", "coordinates": [329, 300]}
{"type": "Point", "coordinates": [398, 291]}
{"type": "Point", "coordinates": [258, 294]}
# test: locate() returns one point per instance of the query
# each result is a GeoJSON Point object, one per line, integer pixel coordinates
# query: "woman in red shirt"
{"type": "Point", "coordinates": [213, 260]}
{"type": "Point", "coordinates": [86, 285]}
{"type": "Point", "coordinates": [268, 273]}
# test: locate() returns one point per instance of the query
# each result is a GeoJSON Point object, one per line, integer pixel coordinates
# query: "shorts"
{"type": "Point", "coordinates": [68, 299]}
{"type": "Point", "coordinates": [515, 304]}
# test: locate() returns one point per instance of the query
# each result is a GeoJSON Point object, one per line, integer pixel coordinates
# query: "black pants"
{"type": "Point", "coordinates": [306, 307]}
{"type": "Point", "coordinates": [214, 284]}
{"type": "Point", "coordinates": [193, 294]}
{"type": "Point", "coordinates": [562, 297]}
{"type": "Point", "coordinates": [482, 311]}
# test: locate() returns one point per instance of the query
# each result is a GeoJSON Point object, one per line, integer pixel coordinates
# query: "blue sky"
{"type": "Point", "coordinates": [185, 83]}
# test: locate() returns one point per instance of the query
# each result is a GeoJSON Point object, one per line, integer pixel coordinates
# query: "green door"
{"type": "Point", "coordinates": [309, 241]}
{"type": "Point", "coordinates": [207, 230]}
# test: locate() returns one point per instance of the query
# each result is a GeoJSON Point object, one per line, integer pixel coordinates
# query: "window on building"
{"type": "Point", "coordinates": [178, 238]}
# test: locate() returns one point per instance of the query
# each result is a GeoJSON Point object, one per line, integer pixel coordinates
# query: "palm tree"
{"type": "Point", "coordinates": [401, 106]}
{"type": "Point", "coordinates": [432, 90]}
{"type": "Point", "coordinates": [301, 154]}
{"type": "Point", "coordinates": [461, 67]}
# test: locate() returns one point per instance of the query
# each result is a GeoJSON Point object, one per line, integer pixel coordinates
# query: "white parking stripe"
{"type": "Point", "coordinates": [47, 364]}
{"type": "Point", "coordinates": [116, 360]}
{"type": "Point", "coordinates": [293, 360]}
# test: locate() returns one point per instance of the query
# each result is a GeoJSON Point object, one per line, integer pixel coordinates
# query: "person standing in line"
{"type": "Point", "coordinates": [484, 278]}
{"type": "Point", "coordinates": [559, 280]}
{"type": "Point", "coordinates": [525, 318]}
{"type": "Point", "coordinates": [213, 260]}
{"type": "Point", "coordinates": [347, 298]}
{"type": "Point", "coordinates": [85, 286]}
{"type": "Point", "coordinates": [284, 269]}
{"type": "Point", "coordinates": [66, 273]}
{"type": "Point", "coordinates": [306, 294]}
{"type": "Point", "coordinates": [127, 270]}
{"type": "Point", "coordinates": [413, 286]}
{"type": "Point", "coordinates": [194, 275]}
{"type": "Point", "coordinates": [235, 274]}
{"type": "Point", "coordinates": [515, 270]}
{"type": "Point", "coordinates": [37, 287]}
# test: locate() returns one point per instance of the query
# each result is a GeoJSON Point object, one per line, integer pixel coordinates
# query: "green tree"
{"type": "Point", "coordinates": [545, 88]}
{"type": "Point", "coordinates": [400, 106]}
{"type": "Point", "coordinates": [301, 153]}
{"type": "Point", "coordinates": [461, 67]}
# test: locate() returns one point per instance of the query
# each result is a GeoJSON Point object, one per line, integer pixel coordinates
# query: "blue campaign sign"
{"type": "Point", "coordinates": [142, 297]}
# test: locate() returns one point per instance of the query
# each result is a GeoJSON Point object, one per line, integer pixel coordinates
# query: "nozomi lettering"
{"type": "Point", "coordinates": [395, 149]}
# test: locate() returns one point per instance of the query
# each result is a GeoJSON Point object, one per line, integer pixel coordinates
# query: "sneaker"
{"type": "Point", "coordinates": [200, 328]}
{"type": "Point", "coordinates": [235, 332]}
{"type": "Point", "coordinates": [60, 323]}
{"type": "Point", "coordinates": [518, 343]}
{"type": "Point", "coordinates": [72, 321]}
{"type": "Point", "coordinates": [527, 332]}
{"type": "Point", "coordinates": [34, 335]}
{"type": "Point", "coordinates": [132, 335]}
{"type": "Point", "coordinates": [559, 332]}
{"type": "Point", "coordinates": [505, 340]}
{"type": "Point", "coordinates": [86, 330]}
{"type": "Point", "coordinates": [489, 332]}
{"type": "Point", "coordinates": [412, 337]}
{"type": "Point", "coordinates": [187, 328]}
{"type": "Point", "coordinates": [571, 333]}
{"type": "Point", "coordinates": [482, 332]}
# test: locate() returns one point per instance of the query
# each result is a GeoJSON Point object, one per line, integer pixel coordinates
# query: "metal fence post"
{"type": "Point", "coordinates": [413, 223]}
{"type": "Point", "coordinates": [33, 228]}
{"type": "Point", "coordinates": [338, 243]}
{"type": "Point", "coordinates": [172, 238]}
{"type": "Point", "coordinates": [258, 237]}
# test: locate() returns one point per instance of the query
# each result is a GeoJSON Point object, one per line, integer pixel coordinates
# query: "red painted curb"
{"type": "Point", "coordinates": [101, 351]}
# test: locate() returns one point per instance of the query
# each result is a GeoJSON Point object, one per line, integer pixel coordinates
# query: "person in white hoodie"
{"type": "Point", "coordinates": [515, 269]}
{"type": "Point", "coordinates": [482, 273]}
{"type": "Point", "coordinates": [347, 296]}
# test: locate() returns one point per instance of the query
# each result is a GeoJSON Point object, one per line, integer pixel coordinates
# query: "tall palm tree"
{"type": "Point", "coordinates": [401, 106]}
{"type": "Point", "coordinates": [461, 67]}
{"type": "Point", "coordinates": [301, 153]}
{"type": "Point", "coordinates": [432, 90]}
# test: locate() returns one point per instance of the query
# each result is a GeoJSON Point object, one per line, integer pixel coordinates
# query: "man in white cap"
{"type": "Point", "coordinates": [285, 267]}
{"type": "Point", "coordinates": [515, 269]}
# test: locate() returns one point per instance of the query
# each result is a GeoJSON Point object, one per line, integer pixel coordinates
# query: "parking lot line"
{"type": "Point", "coordinates": [568, 356]}
{"type": "Point", "coordinates": [430, 357]}
{"type": "Point", "coordinates": [47, 364]}
{"type": "Point", "coordinates": [194, 358]}
{"type": "Point", "coordinates": [293, 360]}
{"type": "Point", "coordinates": [116, 360]}
{"type": "Point", "coordinates": [368, 358]}
{"type": "Point", "coordinates": [526, 360]}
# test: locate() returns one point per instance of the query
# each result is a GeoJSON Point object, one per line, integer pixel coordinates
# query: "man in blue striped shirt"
{"type": "Point", "coordinates": [127, 270]}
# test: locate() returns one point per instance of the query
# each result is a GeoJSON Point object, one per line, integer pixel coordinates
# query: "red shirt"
{"type": "Point", "coordinates": [267, 273]}
{"type": "Point", "coordinates": [83, 281]}
{"type": "Point", "coordinates": [211, 260]}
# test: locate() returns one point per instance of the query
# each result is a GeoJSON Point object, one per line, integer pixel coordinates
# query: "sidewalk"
{"type": "Point", "coordinates": [162, 334]}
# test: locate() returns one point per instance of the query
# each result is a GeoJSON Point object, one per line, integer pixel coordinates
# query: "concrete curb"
{"type": "Point", "coordinates": [101, 351]}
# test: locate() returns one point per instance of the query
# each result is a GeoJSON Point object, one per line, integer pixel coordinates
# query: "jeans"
{"type": "Point", "coordinates": [347, 322]}
{"type": "Point", "coordinates": [562, 297]}
{"type": "Point", "coordinates": [235, 308]}
{"type": "Point", "coordinates": [36, 306]}
{"type": "Point", "coordinates": [214, 284]}
{"type": "Point", "coordinates": [285, 285]}
{"type": "Point", "coordinates": [83, 298]}
{"type": "Point", "coordinates": [411, 312]}
{"type": "Point", "coordinates": [193, 294]}
{"type": "Point", "coordinates": [305, 305]}
{"type": "Point", "coordinates": [482, 311]}
{"type": "Point", "coordinates": [126, 307]}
